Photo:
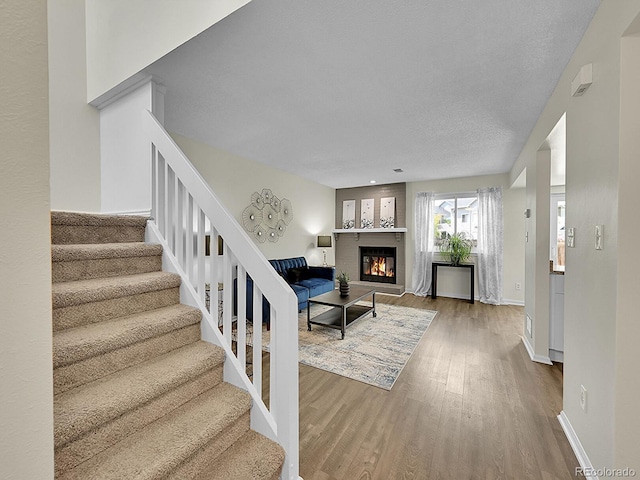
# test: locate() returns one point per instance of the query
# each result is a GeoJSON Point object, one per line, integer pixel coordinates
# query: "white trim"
{"type": "Point", "coordinates": [518, 303]}
{"type": "Point", "coordinates": [556, 355]}
{"type": "Point", "coordinates": [392, 294]}
{"type": "Point", "coordinates": [532, 354]}
{"type": "Point", "coordinates": [121, 90]}
{"type": "Point", "coordinates": [576, 446]}
{"type": "Point", "coordinates": [141, 213]}
{"type": "Point", "coordinates": [508, 301]}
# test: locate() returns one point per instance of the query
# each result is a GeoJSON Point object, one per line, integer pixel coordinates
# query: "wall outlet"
{"type": "Point", "coordinates": [583, 398]}
{"type": "Point", "coordinates": [518, 286]}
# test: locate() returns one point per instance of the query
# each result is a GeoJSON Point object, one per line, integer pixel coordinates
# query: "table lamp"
{"type": "Point", "coordinates": [324, 242]}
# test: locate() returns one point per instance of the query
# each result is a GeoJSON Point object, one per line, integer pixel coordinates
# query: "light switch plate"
{"type": "Point", "coordinates": [599, 237]}
{"type": "Point", "coordinates": [570, 237]}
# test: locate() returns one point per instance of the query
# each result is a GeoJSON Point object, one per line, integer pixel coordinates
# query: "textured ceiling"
{"type": "Point", "coordinates": [344, 92]}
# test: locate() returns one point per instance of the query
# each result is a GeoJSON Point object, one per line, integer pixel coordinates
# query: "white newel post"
{"type": "Point", "coordinates": [284, 385]}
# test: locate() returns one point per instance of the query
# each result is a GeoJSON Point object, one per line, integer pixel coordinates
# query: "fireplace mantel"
{"type": "Point", "coordinates": [357, 231]}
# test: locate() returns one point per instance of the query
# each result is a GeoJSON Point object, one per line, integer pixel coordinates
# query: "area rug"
{"type": "Point", "coordinates": [374, 350]}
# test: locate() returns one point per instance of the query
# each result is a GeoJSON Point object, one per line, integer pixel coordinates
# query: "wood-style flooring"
{"type": "Point", "coordinates": [469, 404]}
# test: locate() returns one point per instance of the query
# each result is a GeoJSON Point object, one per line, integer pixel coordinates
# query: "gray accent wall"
{"type": "Point", "coordinates": [347, 244]}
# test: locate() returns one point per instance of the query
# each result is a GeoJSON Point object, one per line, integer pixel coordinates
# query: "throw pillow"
{"type": "Point", "coordinates": [295, 275]}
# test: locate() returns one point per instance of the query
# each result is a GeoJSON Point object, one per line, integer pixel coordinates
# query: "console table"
{"type": "Point", "coordinates": [434, 276]}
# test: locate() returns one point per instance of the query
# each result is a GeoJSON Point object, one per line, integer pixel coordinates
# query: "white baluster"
{"type": "Point", "coordinates": [273, 361]}
{"type": "Point", "coordinates": [171, 209]}
{"type": "Point", "coordinates": [200, 252]}
{"type": "Point", "coordinates": [161, 221]}
{"type": "Point", "coordinates": [190, 238]}
{"type": "Point", "coordinates": [181, 234]}
{"type": "Point", "coordinates": [257, 338]}
{"type": "Point", "coordinates": [242, 316]}
{"type": "Point", "coordinates": [154, 183]}
{"type": "Point", "coordinates": [214, 275]}
{"type": "Point", "coordinates": [228, 295]}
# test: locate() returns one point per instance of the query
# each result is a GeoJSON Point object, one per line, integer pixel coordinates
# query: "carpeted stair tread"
{"type": "Point", "coordinates": [253, 456]}
{"type": "Point", "coordinates": [75, 344]}
{"type": "Point", "coordinates": [161, 447]}
{"type": "Point", "coordinates": [82, 228]}
{"type": "Point", "coordinates": [86, 407]}
{"type": "Point", "coordinates": [94, 251]}
{"type": "Point", "coordinates": [96, 220]}
{"type": "Point", "coordinates": [78, 292]}
{"type": "Point", "coordinates": [94, 312]}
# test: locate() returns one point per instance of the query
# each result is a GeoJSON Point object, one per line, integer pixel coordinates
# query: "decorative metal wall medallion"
{"type": "Point", "coordinates": [267, 216]}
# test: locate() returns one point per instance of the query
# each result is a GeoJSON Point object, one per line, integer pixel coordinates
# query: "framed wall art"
{"type": "Point", "coordinates": [387, 212]}
{"type": "Point", "coordinates": [349, 214]}
{"type": "Point", "coordinates": [366, 213]}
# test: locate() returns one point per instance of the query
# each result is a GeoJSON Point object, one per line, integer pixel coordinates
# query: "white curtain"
{"type": "Point", "coordinates": [424, 243]}
{"type": "Point", "coordinates": [490, 243]}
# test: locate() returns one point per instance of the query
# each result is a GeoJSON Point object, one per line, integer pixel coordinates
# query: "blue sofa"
{"type": "Point", "coordinates": [305, 281]}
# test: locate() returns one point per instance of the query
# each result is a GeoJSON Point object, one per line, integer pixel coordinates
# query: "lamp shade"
{"type": "Point", "coordinates": [324, 241]}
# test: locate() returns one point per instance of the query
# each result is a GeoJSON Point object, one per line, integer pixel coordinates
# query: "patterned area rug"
{"type": "Point", "coordinates": [374, 350]}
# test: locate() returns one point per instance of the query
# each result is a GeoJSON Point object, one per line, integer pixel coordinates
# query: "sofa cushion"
{"type": "Point", "coordinates": [301, 292]}
{"type": "Point", "coordinates": [297, 274]}
{"type": "Point", "coordinates": [287, 263]}
{"type": "Point", "coordinates": [317, 286]}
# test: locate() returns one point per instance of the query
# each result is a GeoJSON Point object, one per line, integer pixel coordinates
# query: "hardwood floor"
{"type": "Point", "coordinates": [468, 404]}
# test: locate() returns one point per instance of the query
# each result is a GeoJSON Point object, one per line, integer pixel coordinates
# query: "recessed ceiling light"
{"type": "Point", "coordinates": [372, 181]}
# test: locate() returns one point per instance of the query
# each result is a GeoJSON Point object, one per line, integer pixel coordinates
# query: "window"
{"type": "Point", "coordinates": [456, 213]}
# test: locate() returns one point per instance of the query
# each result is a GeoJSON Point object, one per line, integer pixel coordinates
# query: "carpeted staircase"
{"type": "Point", "coordinates": [138, 395]}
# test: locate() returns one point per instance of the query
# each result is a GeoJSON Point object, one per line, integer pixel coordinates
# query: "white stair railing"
{"type": "Point", "coordinates": [184, 211]}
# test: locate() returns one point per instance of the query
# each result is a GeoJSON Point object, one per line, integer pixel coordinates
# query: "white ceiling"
{"type": "Point", "coordinates": [344, 92]}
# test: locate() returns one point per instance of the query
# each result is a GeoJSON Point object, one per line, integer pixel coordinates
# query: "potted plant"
{"type": "Point", "coordinates": [343, 280]}
{"type": "Point", "coordinates": [456, 248]}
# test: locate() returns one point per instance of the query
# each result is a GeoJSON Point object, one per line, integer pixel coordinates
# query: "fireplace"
{"type": "Point", "coordinates": [378, 264]}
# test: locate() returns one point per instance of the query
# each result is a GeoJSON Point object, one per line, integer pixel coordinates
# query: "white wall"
{"type": "Point", "coordinates": [125, 154]}
{"type": "Point", "coordinates": [74, 125]}
{"type": "Point", "coordinates": [234, 179]}
{"type": "Point", "coordinates": [627, 380]}
{"type": "Point", "coordinates": [537, 228]}
{"type": "Point", "coordinates": [592, 299]}
{"type": "Point", "coordinates": [453, 282]}
{"type": "Point", "coordinates": [125, 36]}
{"type": "Point", "coordinates": [26, 385]}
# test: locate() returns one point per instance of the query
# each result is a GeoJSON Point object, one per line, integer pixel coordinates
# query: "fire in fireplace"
{"type": "Point", "coordinates": [378, 264]}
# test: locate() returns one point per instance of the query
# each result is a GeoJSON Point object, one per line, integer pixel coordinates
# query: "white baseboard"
{"type": "Point", "coordinates": [140, 213]}
{"type": "Point", "coordinates": [508, 301]}
{"type": "Point", "coordinates": [505, 301]}
{"type": "Point", "coordinates": [556, 355]}
{"type": "Point", "coordinates": [587, 469]}
{"type": "Point", "coordinates": [532, 354]}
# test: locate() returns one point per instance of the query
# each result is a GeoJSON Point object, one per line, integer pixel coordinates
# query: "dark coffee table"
{"type": "Point", "coordinates": [344, 311]}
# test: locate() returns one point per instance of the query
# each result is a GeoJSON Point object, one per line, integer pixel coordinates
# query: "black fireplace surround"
{"type": "Point", "coordinates": [378, 264]}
